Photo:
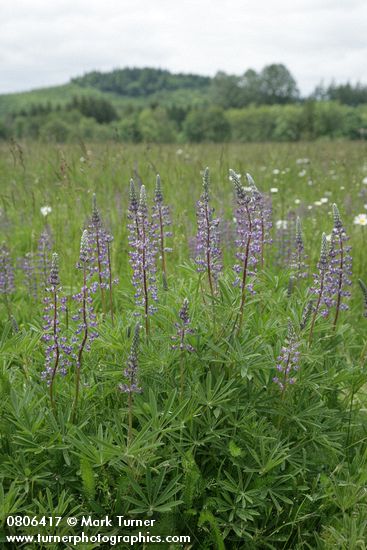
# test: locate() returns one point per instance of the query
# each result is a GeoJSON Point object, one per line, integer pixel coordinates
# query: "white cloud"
{"type": "Point", "coordinates": [44, 43]}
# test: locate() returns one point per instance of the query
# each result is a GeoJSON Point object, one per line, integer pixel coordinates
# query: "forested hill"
{"type": "Point", "coordinates": [155, 105]}
{"type": "Point", "coordinates": [133, 82]}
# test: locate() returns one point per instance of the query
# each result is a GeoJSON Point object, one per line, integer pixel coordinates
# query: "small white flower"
{"type": "Point", "coordinates": [302, 173]}
{"type": "Point", "coordinates": [324, 200]}
{"type": "Point", "coordinates": [317, 203]}
{"type": "Point", "coordinates": [364, 180]}
{"type": "Point", "coordinates": [310, 182]}
{"type": "Point", "coordinates": [82, 159]}
{"type": "Point", "coordinates": [179, 152]}
{"type": "Point", "coordinates": [235, 220]}
{"type": "Point", "coordinates": [297, 201]}
{"type": "Point", "coordinates": [45, 210]}
{"type": "Point", "coordinates": [309, 206]}
{"type": "Point", "coordinates": [281, 224]}
{"type": "Point", "coordinates": [302, 161]}
{"type": "Point", "coordinates": [276, 171]}
{"type": "Point", "coordinates": [342, 188]}
{"type": "Point", "coordinates": [365, 206]}
{"type": "Point", "coordinates": [274, 190]}
{"type": "Point", "coordinates": [361, 219]}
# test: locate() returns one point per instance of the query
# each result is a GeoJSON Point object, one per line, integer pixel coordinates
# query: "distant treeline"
{"type": "Point", "coordinates": [264, 106]}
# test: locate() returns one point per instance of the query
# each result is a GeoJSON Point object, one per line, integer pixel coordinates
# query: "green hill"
{"type": "Point", "coordinates": [122, 87]}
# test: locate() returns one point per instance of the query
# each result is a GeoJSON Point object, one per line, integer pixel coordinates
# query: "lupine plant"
{"type": "Point", "coordinates": [143, 242]}
{"type": "Point", "coordinates": [7, 287]}
{"type": "Point", "coordinates": [44, 248]}
{"type": "Point", "coordinates": [86, 331]}
{"type": "Point", "coordinates": [100, 256]}
{"type": "Point", "coordinates": [131, 386]}
{"type": "Point", "coordinates": [58, 352]}
{"type": "Point", "coordinates": [340, 267]}
{"type": "Point", "coordinates": [299, 258]}
{"type": "Point", "coordinates": [319, 287]}
{"type": "Point", "coordinates": [162, 219]}
{"type": "Point", "coordinates": [249, 235]}
{"type": "Point", "coordinates": [183, 327]}
{"type": "Point", "coordinates": [264, 215]}
{"type": "Point", "coordinates": [288, 360]}
{"type": "Point", "coordinates": [208, 253]}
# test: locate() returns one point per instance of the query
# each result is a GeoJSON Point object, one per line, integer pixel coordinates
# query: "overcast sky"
{"type": "Point", "coordinates": [46, 42]}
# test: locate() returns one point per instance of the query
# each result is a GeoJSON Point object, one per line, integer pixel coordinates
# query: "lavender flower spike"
{"type": "Point", "coordinates": [248, 241]}
{"type": "Point", "coordinates": [57, 351]}
{"type": "Point", "coordinates": [263, 212]}
{"type": "Point", "coordinates": [320, 285]}
{"type": "Point", "coordinates": [364, 292]}
{"type": "Point", "coordinates": [208, 253]}
{"type": "Point", "coordinates": [288, 360]}
{"type": "Point", "coordinates": [143, 242]}
{"type": "Point", "coordinates": [183, 328]}
{"type": "Point", "coordinates": [86, 330]}
{"type": "Point", "coordinates": [299, 257]}
{"type": "Point", "coordinates": [131, 370]}
{"type": "Point", "coordinates": [162, 218]}
{"type": "Point", "coordinates": [340, 266]}
{"type": "Point", "coordinates": [6, 277]}
{"type": "Point", "coordinates": [131, 373]}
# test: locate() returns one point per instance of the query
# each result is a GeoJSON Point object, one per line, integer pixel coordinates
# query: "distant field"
{"type": "Point", "coordinates": [234, 440]}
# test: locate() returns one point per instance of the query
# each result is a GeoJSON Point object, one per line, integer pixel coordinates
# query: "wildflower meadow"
{"type": "Point", "coordinates": [183, 339]}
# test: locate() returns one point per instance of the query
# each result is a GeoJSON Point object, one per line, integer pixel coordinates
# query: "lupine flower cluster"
{"type": "Point", "coordinates": [298, 256]}
{"type": "Point", "coordinates": [132, 367]}
{"type": "Point", "coordinates": [6, 271]}
{"type": "Point", "coordinates": [183, 328]}
{"type": "Point", "coordinates": [43, 262]}
{"type": "Point", "coordinates": [208, 254]}
{"type": "Point", "coordinates": [263, 214]}
{"type": "Point", "coordinates": [99, 250]}
{"type": "Point", "coordinates": [364, 292]}
{"type": "Point", "coordinates": [58, 353]}
{"type": "Point", "coordinates": [27, 265]}
{"type": "Point", "coordinates": [288, 360]}
{"type": "Point", "coordinates": [143, 242]}
{"type": "Point", "coordinates": [162, 221]}
{"type": "Point", "coordinates": [340, 267]}
{"type": "Point", "coordinates": [319, 287]}
{"type": "Point", "coordinates": [249, 235]}
{"type": "Point", "coordinates": [86, 331]}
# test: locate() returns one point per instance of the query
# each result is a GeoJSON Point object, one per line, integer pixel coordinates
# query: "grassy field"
{"type": "Point", "coordinates": [212, 447]}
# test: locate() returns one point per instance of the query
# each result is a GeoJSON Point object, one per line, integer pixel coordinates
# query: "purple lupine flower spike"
{"type": "Point", "coordinates": [161, 216]}
{"type": "Point", "coordinates": [248, 241]}
{"type": "Point", "coordinates": [132, 214]}
{"type": "Point", "coordinates": [364, 292]}
{"type": "Point", "coordinates": [7, 286]}
{"type": "Point", "coordinates": [100, 251]}
{"type": "Point", "coordinates": [340, 267]}
{"type": "Point", "coordinates": [143, 242]}
{"type": "Point", "coordinates": [208, 254]}
{"type": "Point", "coordinates": [58, 352]}
{"type": "Point", "coordinates": [86, 331]}
{"type": "Point", "coordinates": [183, 328]}
{"type": "Point", "coordinates": [263, 212]}
{"type": "Point", "coordinates": [288, 360]}
{"type": "Point", "coordinates": [320, 285]}
{"type": "Point", "coordinates": [298, 256]}
{"type": "Point", "coordinates": [27, 265]}
{"type": "Point", "coordinates": [44, 255]}
{"type": "Point", "coordinates": [132, 366]}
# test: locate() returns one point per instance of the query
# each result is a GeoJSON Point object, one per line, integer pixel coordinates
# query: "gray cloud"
{"type": "Point", "coordinates": [44, 43]}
